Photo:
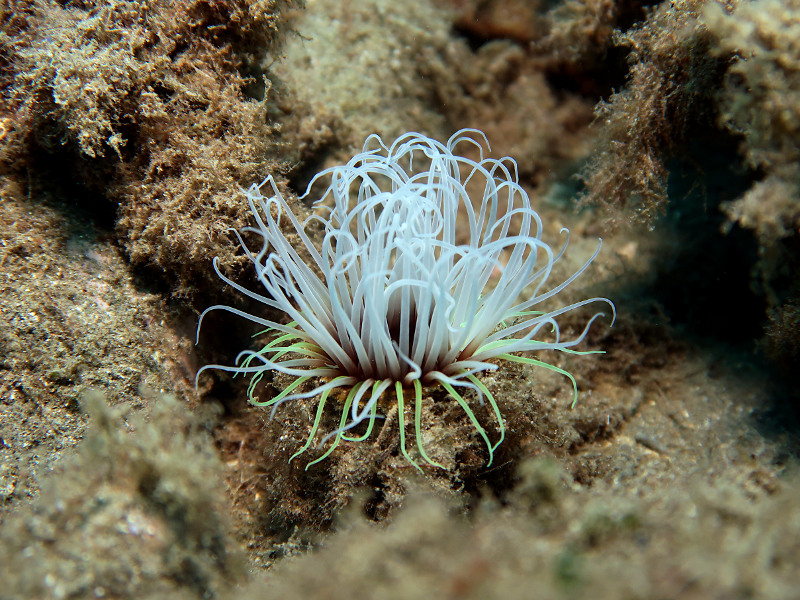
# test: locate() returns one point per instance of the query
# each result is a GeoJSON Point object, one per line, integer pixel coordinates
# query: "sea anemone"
{"type": "Point", "coordinates": [413, 285]}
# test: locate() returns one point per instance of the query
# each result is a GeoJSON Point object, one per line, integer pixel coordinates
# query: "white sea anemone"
{"type": "Point", "coordinates": [412, 285]}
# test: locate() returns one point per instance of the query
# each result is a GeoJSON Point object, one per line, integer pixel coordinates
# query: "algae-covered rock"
{"type": "Point", "coordinates": [138, 511]}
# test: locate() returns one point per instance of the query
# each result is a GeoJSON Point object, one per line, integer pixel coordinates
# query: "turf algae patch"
{"type": "Point", "coordinates": [138, 511]}
{"type": "Point", "coordinates": [556, 540]}
{"type": "Point", "coordinates": [157, 106]}
{"type": "Point", "coordinates": [71, 318]}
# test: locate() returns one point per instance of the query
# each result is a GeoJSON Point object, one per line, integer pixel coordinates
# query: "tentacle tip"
{"type": "Point", "coordinates": [416, 466]}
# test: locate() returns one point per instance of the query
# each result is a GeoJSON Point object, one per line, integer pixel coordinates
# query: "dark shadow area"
{"type": "Point", "coordinates": [68, 182]}
{"type": "Point", "coordinates": [707, 285]}
{"type": "Point", "coordinates": [704, 283]}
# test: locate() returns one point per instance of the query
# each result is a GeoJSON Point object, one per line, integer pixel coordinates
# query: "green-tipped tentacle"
{"type": "Point", "coordinates": [317, 418]}
{"type": "Point", "coordinates": [480, 385]}
{"type": "Point", "coordinates": [288, 390]}
{"type": "Point", "coordinates": [538, 363]}
{"type": "Point", "coordinates": [418, 424]}
{"type": "Point", "coordinates": [463, 403]}
{"type": "Point", "coordinates": [371, 423]}
{"type": "Point", "coordinates": [398, 390]}
{"type": "Point", "coordinates": [581, 352]}
{"type": "Point", "coordinates": [337, 435]}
